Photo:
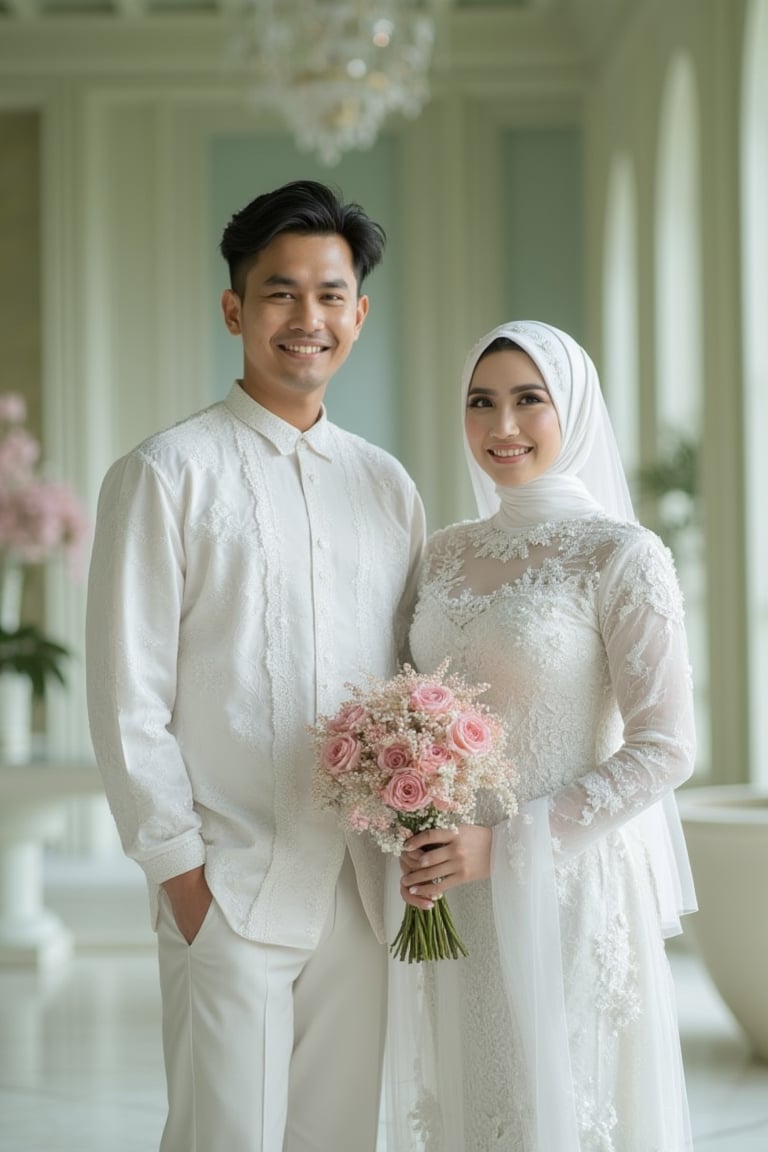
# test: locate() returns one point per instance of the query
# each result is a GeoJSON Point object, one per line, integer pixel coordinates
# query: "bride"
{"type": "Point", "coordinates": [559, 1032]}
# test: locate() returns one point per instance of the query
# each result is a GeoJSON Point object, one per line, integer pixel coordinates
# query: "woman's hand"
{"type": "Point", "coordinates": [434, 861]}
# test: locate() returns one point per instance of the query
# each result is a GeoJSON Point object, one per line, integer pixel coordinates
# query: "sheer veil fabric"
{"type": "Point", "coordinates": [424, 1072]}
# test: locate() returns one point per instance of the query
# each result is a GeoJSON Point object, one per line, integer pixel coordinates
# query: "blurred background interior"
{"type": "Point", "coordinates": [600, 164]}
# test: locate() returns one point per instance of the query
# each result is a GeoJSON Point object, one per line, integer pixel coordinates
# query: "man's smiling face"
{"type": "Point", "coordinates": [298, 320]}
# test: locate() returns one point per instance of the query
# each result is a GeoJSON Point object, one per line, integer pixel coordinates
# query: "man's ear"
{"type": "Point", "coordinates": [362, 312]}
{"type": "Point", "coordinates": [231, 306]}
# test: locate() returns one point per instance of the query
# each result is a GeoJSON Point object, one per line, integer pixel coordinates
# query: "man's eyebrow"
{"type": "Point", "coordinates": [287, 282]}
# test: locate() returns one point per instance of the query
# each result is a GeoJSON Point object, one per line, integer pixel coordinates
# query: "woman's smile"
{"type": "Point", "coordinates": [512, 452]}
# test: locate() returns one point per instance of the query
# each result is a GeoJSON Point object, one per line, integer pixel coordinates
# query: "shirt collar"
{"type": "Point", "coordinates": [281, 435]}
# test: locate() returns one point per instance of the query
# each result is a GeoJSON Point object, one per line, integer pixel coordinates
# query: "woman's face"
{"type": "Point", "coordinates": [512, 425]}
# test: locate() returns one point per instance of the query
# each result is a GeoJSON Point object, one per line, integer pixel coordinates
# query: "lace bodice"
{"type": "Point", "coordinates": [578, 629]}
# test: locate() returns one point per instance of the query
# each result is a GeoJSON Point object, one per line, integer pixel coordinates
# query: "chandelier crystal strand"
{"type": "Point", "coordinates": [335, 69]}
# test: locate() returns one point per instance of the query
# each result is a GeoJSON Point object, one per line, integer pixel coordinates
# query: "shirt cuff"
{"type": "Point", "coordinates": [182, 858]}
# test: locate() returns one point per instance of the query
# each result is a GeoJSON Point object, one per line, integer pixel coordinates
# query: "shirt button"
{"type": "Point", "coordinates": [320, 543]}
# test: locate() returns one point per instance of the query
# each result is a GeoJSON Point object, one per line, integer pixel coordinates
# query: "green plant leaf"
{"type": "Point", "coordinates": [28, 652]}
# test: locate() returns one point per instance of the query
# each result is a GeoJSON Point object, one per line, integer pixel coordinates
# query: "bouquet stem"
{"type": "Point", "coordinates": [428, 935]}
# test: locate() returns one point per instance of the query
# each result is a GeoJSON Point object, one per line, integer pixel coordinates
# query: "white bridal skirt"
{"type": "Point", "coordinates": [560, 1029]}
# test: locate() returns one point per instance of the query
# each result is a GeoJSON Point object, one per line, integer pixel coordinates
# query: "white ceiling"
{"type": "Point", "coordinates": [582, 10]}
{"type": "Point", "coordinates": [61, 35]}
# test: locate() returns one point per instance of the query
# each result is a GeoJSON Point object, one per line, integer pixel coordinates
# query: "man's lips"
{"type": "Point", "coordinates": [303, 349]}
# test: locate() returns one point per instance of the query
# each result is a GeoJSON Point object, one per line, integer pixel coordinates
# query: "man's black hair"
{"type": "Point", "coordinates": [303, 206]}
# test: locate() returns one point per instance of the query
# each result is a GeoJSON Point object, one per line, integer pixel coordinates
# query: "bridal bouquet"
{"type": "Point", "coordinates": [406, 755]}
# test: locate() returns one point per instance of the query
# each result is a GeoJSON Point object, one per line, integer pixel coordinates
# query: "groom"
{"type": "Point", "coordinates": [247, 563]}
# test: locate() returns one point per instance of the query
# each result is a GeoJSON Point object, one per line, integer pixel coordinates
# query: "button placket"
{"type": "Point", "coordinates": [317, 516]}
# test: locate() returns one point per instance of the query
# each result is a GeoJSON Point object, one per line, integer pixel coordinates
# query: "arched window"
{"type": "Point", "coordinates": [679, 357]}
{"type": "Point", "coordinates": [754, 183]}
{"type": "Point", "coordinates": [678, 254]}
{"type": "Point", "coordinates": [620, 341]}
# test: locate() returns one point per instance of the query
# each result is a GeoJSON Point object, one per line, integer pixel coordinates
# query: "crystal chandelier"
{"type": "Point", "coordinates": [334, 69]}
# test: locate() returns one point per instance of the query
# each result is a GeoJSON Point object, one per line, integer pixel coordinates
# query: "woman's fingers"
{"type": "Point", "coordinates": [437, 863]}
{"type": "Point", "coordinates": [465, 857]}
{"type": "Point", "coordinates": [422, 840]}
{"type": "Point", "coordinates": [426, 862]}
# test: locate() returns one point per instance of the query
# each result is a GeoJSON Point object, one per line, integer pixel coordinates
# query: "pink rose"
{"type": "Point", "coordinates": [341, 754]}
{"type": "Point", "coordinates": [13, 408]}
{"type": "Point", "coordinates": [433, 757]}
{"type": "Point", "coordinates": [470, 735]}
{"type": "Point", "coordinates": [406, 792]}
{"type": "Point", "coordinates": [349, 716]}
{"type": "Point", "coordinates": [19, 453]}
{"type": "Point", "coordinates": [431, 698]}
{"type": "Point", "coordinates": [395, 757]}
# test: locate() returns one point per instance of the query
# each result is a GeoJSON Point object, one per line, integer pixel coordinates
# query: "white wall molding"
{"type": "Point", "coordinates": [494, 49]}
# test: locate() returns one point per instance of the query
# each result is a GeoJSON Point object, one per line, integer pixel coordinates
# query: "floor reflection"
{"type": "Point", "coordinates": [81, 1068]}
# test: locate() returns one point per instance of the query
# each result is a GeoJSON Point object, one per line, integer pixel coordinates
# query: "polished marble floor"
{"type": "Point", "coordinates": [80, 1063]}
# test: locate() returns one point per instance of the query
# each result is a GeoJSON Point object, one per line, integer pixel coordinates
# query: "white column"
{"type": "Point", "coordinates": [30, 935]}
{"type": "Point", "coordinates": [33, 799]}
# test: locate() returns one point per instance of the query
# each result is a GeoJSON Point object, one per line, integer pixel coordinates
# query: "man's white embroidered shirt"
{"type": "Point", "coordinates": [242, 572]}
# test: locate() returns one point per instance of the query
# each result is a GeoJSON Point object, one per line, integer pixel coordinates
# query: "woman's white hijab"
{"type": "Point", "coordinates": [587, 476]}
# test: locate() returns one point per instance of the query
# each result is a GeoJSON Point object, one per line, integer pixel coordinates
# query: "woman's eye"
{"type": "Point", "coordinates": [479, 402]}
{"type": "Point", "coordinates": [530, 398]}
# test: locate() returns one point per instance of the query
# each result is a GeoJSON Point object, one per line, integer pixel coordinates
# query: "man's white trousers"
{"type": "Point", "coordinates": [273, 1049]}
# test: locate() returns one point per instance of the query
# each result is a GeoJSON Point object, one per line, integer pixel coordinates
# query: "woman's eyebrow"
{"type": "Point", "coordinates": [477, 390]}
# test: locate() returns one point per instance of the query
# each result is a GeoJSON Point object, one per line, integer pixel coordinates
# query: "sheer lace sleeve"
{"type": "Point", "coordinates": [407, 603]}
{"type": "Point", "coordinates": [641, 621]}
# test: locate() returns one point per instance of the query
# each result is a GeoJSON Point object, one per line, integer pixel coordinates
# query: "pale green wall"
{"type": "Point", "coordinates": [365, 396]}
{"type": "Point", "coordinates": [542, 226]}
{"type": "Point", "coordinates": [540, 235]}
{"type": "Point", "coordinates": [623, 117]}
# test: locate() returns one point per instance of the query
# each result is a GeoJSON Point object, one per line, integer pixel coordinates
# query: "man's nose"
{"type": "Point", "coordinates": [306, 315]}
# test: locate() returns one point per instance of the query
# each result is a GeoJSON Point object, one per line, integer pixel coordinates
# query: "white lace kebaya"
{"type": "Point", "coordinates": [558, 1034]}
{"type": "Point", "coordinates": [242, 572]}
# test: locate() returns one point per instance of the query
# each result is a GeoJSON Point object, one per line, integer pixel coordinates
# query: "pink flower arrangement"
{"type": "Point", "coordinates": [405, 755]}
{"type": "Point", "coordinates": [38, 517]}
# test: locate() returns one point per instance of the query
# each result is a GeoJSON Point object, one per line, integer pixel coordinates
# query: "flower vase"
{"type": "Point", "coordinates": [15, 690]}
{"type": "Point", "coordinates": [15, 718]}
